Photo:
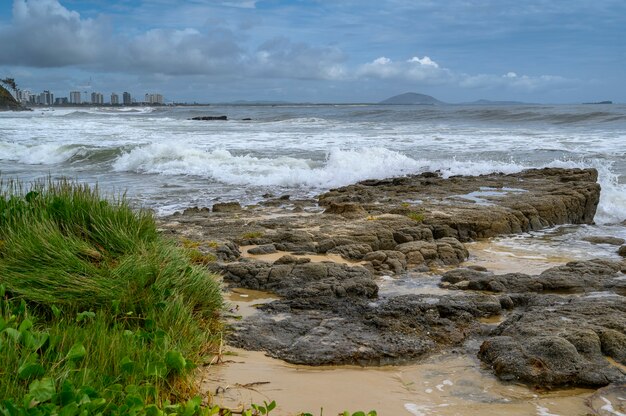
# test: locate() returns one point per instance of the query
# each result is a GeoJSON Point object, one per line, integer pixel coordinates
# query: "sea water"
{"type": "Point", "coordinates": [166, 162]}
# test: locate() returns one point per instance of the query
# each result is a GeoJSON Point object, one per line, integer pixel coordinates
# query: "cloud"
{"type": "Point", "coordinates": [181, 52]}
{"type": "Point", "coordinates": [45, 34]}
{"type": "Point", "coordinates": [514, 81]}
{"type": "Point", "coordinates": [281, 57]}
{"type": "Point", "coordinates": [414, 69]}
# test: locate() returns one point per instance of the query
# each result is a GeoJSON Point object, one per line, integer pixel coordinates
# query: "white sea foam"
{"type": "Point", "coordinates": [302, 148]}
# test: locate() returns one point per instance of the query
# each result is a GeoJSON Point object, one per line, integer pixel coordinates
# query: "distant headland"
{"type": "Point", "coordinates": [413, 98]}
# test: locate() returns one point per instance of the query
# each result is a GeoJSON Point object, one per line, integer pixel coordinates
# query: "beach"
{"type": "Point", "coordinates": [382, 235]}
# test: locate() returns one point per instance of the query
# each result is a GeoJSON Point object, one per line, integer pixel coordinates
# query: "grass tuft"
{"type": "Point", "coordinates": [92, 297]}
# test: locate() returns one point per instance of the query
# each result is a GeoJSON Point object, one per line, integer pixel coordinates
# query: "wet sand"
{"type": "Point", "coordinates": [447, 384]}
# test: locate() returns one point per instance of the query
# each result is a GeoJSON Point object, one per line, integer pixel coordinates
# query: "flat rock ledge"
{"type": "Point", "coordinates": [324, 256]}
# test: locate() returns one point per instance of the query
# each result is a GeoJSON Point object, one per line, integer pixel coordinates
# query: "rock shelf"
{"type": "Point", "coordinates": [554, 331]}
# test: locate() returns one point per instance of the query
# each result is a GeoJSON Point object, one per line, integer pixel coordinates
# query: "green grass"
{"type": "Point", "coordinates": [93, 298]}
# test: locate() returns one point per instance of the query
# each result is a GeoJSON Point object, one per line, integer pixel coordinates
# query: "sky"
{"type": "Point", "coordinates": [336, 51]}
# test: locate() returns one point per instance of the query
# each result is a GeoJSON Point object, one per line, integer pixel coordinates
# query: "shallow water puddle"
{"type": "Point", "coordinates": [244, 302]}
{"type": "Point", "coordinates": [442, 385]}
{"type": "Point", "coordinates": [534, 252]}
{"type": "Point", "coordinates": [272, 257]}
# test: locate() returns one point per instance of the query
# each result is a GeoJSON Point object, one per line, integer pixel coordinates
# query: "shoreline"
{"type": "Point", "coordinates": [329, 312]}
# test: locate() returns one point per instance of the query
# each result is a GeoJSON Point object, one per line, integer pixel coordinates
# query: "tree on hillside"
{"type": "Point", "coordinates": [10, 82]}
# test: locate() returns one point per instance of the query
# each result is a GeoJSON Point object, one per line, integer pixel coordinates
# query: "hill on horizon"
{"type": "Point", "coordinates": [412, 98]}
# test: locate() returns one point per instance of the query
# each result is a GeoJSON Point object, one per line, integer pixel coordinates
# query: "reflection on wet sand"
{"type": "Point", "coordinates": [447, 384]}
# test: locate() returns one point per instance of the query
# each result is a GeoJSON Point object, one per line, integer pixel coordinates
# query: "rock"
{"type": "Point", "coordinates": [526, 201]}
{"type": "Point", "coordinates": [622, 251]}
{"type": "Point", "coordinates": [556, 341]}
{"type": "Point", "coordinates": [227, 207]}
{"type": "Point", "coordinates": [329, 330]}
{"type": "Point", "coordinates": [195, 211]}
{"type": "Point", "coordinates": [352, 251]}
{"type": "Point", "coordinates": [347, 210]}
{"type": "Point", "coordinates": [209, 118]}
{"type": "Point", "coordinates": [573, 277]}
{"type": "Point", "coordinates": [264, 249]}
{"type": "Point", "coordinates": [614, 241]}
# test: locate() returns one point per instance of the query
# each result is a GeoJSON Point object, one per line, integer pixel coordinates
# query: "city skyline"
{"type": "Point", "coordinates": [314, 51]}
{"type": "Point", "coordinates": [48, 98]}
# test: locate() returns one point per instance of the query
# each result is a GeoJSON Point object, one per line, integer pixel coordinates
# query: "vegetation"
{"type": "Point", "coordinates": [9, 82]}
{"type": "Point", "coordinates": [97, 311]}
{"type": "Point", "coordinates": [416, 216]}
{"type": "Point", "coordinates": [99, 315]}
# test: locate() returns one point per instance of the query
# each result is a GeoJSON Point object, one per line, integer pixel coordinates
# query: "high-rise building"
{"type": "Point", "coordinates": [115, 99]}
{"type": "Point", "coordinates": [75, 97]}
{"type": "Point", "coordinates": [126, 98]}
{"type": "Point", "coordinates": [46, 98]}
{"type": "Point", "coordinates": [23, 96]}
{"type": "Point", "coordinates": [97, 98]}
{"type": "Point", "coordinates": [153, 99]}
{"type": "Point", "coordinates": [60, 101]}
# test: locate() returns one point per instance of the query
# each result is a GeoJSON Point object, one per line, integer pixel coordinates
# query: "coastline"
{"type": "Point", "coordinates": [333, 313]}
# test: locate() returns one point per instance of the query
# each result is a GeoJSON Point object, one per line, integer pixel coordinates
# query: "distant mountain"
{"type": "Point", "coordinates": [412, 98]}
{"type": "Point", "coordinates": [490, 102]}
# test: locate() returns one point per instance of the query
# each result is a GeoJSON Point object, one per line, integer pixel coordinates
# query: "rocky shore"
{"type": "Point", "coordinates": [325, 257]}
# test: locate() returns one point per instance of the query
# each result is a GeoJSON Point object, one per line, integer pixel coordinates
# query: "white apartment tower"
{"type": "Point", "coordinates": [75, 97]}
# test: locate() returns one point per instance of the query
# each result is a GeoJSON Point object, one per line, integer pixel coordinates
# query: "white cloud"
{"type": "Point", "coordinates": [281, 57]}
{"type": "Point", "coordinates": [414, 69]}
{"type": "Point", "coordinates": [513, 80]}
{"type": "Point", "coordinates": [44, 33]}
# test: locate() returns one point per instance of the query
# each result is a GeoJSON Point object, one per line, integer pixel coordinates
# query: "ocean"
{"type": "Point", "coordinates": [166, 162]}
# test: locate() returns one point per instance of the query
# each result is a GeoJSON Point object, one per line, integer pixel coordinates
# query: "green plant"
{"type": "Point", "coordinates": [251, 235]}
{"type": "Point", "coordinates": [415, 216]}
{"type": "Point", "coordinates": [93, 297]}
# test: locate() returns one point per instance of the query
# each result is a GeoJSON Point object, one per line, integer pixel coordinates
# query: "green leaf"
{"type": "Point", "coordinates": [67, 394]}
{"type": "Point", "coordinates": [127, 364]}
{"type": "Point", "coordinates": [85, 316]}
{"type": "Point", "coordinates": [77, 352]}
{"type": "Point", "coordinates": [156, 370]}
{"type": "Point", "coordinates": [175, 360]}
{"type": "Point", "coordinates": [96, 403]}
{"type": "Point", "coordinates": [270, 406]}
{"type": "Point", "coordinates": [13, 333]}
{"type": "Point", "coordinates": [25, 325]}
{"type": "Point", "coordinates": [42, 390]}
{"type": "Point", "coordinates": [30, 197]}
{"type": "Point", "coordinates": [30, 369]}
{"type": "Point", "coordinates": [38, 341]}
{"type": "Point", "coordinates": [56, 311]}
{"type": "Point", "coordinates": [153, 410]}
{"type": "Point", "coordinates": [69, 410]}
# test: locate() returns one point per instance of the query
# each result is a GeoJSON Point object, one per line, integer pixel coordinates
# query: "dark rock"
{"type": "Point", "coordinates": [209, 118]}
{"type": "Point", "coordinates": [264, 249]}
{"type": "Point", "coordinates": [195, 211]}
{"type": "Point", "coordinates": [578, 276]}
{"type": "Point", "coordinates": [328, 330]}
{"type": "Point", "coordinates": [604, 240]}
{"type": "Point", "coordinates": [227, 207]}
{"type": "Point", "coordinates": [556, 341]}
{"type": "Point", "coordinates": [622, 251]}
